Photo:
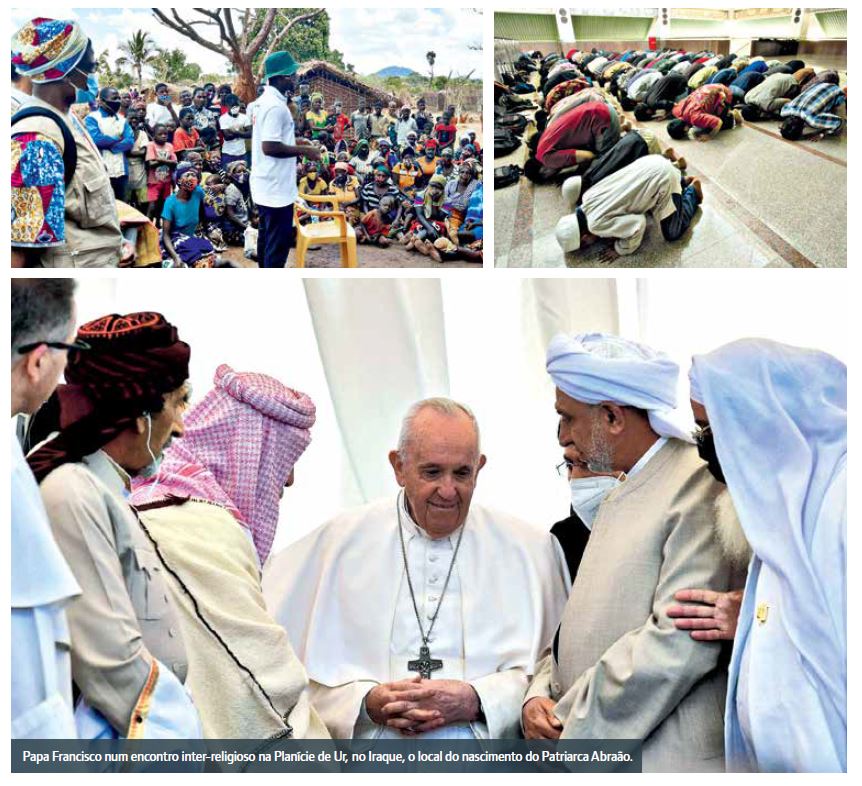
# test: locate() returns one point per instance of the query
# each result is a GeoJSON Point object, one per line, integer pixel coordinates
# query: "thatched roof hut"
{"type": "Point", "coordinates": [338, 85]}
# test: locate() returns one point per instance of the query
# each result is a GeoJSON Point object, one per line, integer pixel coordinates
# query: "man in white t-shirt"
{"type": "Point", "coordinates": [274, 150]}
{"type": "Point", "coordinates": [161, 110]}
{"type": "Point", "coordinates": [236, 128]}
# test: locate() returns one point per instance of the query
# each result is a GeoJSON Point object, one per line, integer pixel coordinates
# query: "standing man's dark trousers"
{"type": "Point", "coordinates": [630, 148]}
{"type": "Point", "coordinates": [675, 225]}
{"type": "Point", "coordinates": [275, 235]}
{"type": "Point", "coordinates": [118, 185]}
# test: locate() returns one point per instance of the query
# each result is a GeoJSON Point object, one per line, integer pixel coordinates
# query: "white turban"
{"type": "Point", "coordinates": [597, 367]}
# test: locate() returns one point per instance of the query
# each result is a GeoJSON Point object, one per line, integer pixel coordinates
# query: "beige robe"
{"type": "Point", "coordinates": [623, 670]}
{"type": "Point", "coordinates": [215, 559]}
{"type": "Point", "coordinates": [124, 616]}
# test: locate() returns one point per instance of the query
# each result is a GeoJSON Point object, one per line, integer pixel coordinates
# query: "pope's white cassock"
{"type": "Point", "coordinates": [779, 419]}
{"type": "Point", "coordinates": [343, 596]}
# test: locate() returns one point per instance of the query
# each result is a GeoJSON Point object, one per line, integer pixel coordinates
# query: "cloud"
{"type": "Point", "coordinates": [370, 38]}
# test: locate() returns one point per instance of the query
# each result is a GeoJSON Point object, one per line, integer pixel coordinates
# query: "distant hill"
{"type": "Point", "coordinates": [394, 71]}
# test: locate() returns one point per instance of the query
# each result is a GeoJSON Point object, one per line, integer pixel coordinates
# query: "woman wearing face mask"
{"type": "Point", "coordinates": [236, 197]}
{"type": "Point", "coordinates": [235, 128]}
{"type": "Point", "coordinates": [82, 228]}
{"type": "Point", "coordinates": [183, 213]}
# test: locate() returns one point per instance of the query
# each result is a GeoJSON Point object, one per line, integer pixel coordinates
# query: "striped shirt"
{"type": "Point", "coordinates": [816, 107]}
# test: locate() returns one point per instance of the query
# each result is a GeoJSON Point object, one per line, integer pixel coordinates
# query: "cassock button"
{"type": "Point", "coordinates": [172, 632]}
{"type": "Point", "coordinates": [432, 598]}
{"type": "Point", "coordinates": [556, 686]}
{"type": "Point", "coordinates": [433, 579]}
{"type": "Point", "coordinates": [432, 558]}
{"type": "Point", "coordinates": [177, 667]}
{"type": "Point", "coordinates": [430, 615]}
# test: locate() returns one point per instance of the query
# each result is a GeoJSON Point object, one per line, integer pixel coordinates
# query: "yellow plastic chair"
{"type": "Point", "coordinates": [335, 231]}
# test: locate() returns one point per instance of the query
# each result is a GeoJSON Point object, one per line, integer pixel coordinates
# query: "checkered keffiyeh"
{"type": "Point", "coordinates": [239, 448]}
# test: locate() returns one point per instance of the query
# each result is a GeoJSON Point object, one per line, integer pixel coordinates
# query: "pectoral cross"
{"type": "Point", "coordinates": [425, 664]}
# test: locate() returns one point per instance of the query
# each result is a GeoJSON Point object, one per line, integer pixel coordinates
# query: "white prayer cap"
{"type": "Point", "coordinates": [597, 367]}
{"type": "Point", "coordinates": [568, 233]}
{"type": "Point", "coordinates": [572, 191]}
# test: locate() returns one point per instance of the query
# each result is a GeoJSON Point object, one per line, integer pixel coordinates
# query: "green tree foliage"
{"type": "Point", "coordinates": [308, 40]}
{"type": "Point", "coordinates": [138, 51]}
{"type": "Point", "coordinates": [172, 66]}
{"type": "Point", "coordinates": [112, 77]}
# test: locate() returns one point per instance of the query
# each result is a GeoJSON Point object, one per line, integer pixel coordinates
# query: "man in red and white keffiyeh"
{"type": "Point", "coordinates": [240, 445]}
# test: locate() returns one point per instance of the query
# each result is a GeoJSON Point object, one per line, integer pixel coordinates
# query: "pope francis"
{"type": "Point", "coordinates": [421, 615]}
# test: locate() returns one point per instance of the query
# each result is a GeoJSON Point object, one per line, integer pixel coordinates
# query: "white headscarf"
{"type": "Point", "coordinates": [779, 419]}
{"type": "Point", "coordinates": [597, 367]}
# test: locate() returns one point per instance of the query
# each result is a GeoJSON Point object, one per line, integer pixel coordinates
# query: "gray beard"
{"type": "Point", "coordinates": [601, 457]}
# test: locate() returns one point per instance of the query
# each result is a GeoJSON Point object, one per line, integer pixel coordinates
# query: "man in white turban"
{"type": "Point", "coordinates": [774, 428]}
{"type": "Point", "coordinates": [617, 207]}
{"type": "Point", "coordinates": [619, 668]}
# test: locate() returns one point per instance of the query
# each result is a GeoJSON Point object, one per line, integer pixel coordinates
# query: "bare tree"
{"type": "Point", "coordinates": [239, 40]}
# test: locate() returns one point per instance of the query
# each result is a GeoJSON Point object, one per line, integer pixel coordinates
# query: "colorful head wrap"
{"type": "Point", "coordinates": [186, 167]}
{"type": "Point", "coordinates": [316, 97]}
{"type": "Point", "coordinates": [133, 361]}
{"type": "Point", "coordinates": [240, 445]}
{"type": "Point", "coordinates": [46, 50]}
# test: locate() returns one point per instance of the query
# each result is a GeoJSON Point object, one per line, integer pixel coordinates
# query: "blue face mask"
{"type": "Point", "coordinates": [91, 94]}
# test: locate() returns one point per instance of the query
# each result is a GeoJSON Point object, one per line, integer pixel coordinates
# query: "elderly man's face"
{"type": "Point", "coordinates": [439, 471]}
{"type": "Point", "coordinates": [165, 426]}
{"type": "Point", "coordinates": [582, 435]}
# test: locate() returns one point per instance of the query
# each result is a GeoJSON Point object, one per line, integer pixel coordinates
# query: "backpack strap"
{"type": "Point", "coordinates": [70, 147]}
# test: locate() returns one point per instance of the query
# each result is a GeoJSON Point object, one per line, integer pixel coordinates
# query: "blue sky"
{"type": "Point", "coordinates": [371, 38]}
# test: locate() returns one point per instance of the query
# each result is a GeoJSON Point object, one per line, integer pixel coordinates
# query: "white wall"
{"type": "Point", "coordinates": [484, 337]}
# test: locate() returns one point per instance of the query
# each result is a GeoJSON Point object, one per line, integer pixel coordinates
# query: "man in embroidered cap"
{"type": "Point", "coordinates": [773, 424]}
{"type": "Point", "coordinates": [212, 512]}
{"type": "Point", "coordinates": [618, 666]}
{"type": "Point", "coordinates": [415, 647]}
{"type": "Point", "coordinates": [63, 208]}
{"type": "Point", "coordinates": [122, 403]}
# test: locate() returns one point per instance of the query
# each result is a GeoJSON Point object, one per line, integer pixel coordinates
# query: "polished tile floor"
{"type": "Point", "coordinates": [767, 203]}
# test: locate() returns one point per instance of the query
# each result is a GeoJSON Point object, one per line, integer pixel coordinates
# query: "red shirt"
{"type": "Point", "coordinates": [184, 140]}
{"type": "Point", "coordinates": [579, 129]}
{"type": "Point", "coordinates": [704, 106]}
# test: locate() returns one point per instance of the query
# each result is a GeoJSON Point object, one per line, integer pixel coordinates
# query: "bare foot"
{"type": "Point", "coordinates": [422, 247]}
{"type": "Point", "coordinates": [681, 164]}
{"type": "Point", "coordinates": [698, 189]}
{"type": "Point", "coordinates": [434, 254]}
{"type": "Point", "coordinates": [670, 154]}
{"type": "Point", "coordinates": [384, 242]}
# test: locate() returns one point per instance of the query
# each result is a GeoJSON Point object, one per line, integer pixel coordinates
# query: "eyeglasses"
{"type": "Point", "coordinates": [564, 468]}
{"type": "Point", "coordinates": [77, 344]}
{"type": "Point", "coordinates": [700, 434]}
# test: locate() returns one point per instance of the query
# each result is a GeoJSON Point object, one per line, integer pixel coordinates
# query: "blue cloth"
{"type": "Point", "coordinates": [779, 419]}
{"type": "Point", "coordinates": [758, 66]}
{"type": "Point", "coordinates": [816, 106]}
{"type": "Point", "coordinates": [723, 77]}
{"type": "Point", "coordinates": [184, 216]}
{"type": "Point", "coordinates": [475, 211]}
{"type": "Point", "coordinates": [597, 367]}
{"type": "Point", "coordinates": [748, 80]}
{"type": "Point", "coordinates": [41, 585]}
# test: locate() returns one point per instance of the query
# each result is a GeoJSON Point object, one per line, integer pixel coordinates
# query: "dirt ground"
{"type": "Point", "coordinates": [369, 256]}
